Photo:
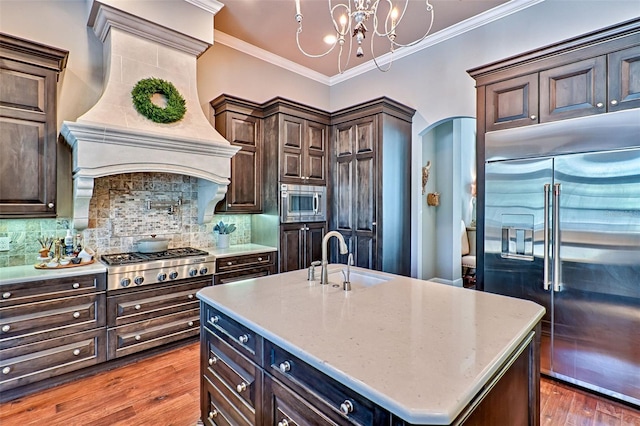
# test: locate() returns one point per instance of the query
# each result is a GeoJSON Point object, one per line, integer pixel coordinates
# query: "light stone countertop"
{"type": "Point", "coordinates": [26, 273]}
{"type": "Point", "coordinates": [420, 349]}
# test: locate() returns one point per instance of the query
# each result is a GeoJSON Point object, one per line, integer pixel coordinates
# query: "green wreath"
{"type": "Point", "coordinates": [141, 96]}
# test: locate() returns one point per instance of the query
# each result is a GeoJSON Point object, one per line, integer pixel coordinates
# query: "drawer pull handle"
{"type": "Point", "coordinates": [241, 387]}
{"type": "Point", "coordinates": [6, 370]}
{"type": "Point", "coordinates": [259, 259]}
{"type": "Point", "coordinates": [75, 285]}
{"type": "Point", "coordinates": [76, 352]}
{"type": "Point", "coordinates": [6, 328]}
{"type": "Point", "coordinates": [6, 295]}
{"type": "Point", "coordinates": [137, 307]}
{"type": "Point", "coordinates": [190, 296]}
{"type": "Point", "coordinates": [213, 414]}
{"type": "Point", "coordinates": [138, 337]}
{"type": "Point", "coordinates": [214, 319]}
{"type": "Point", "coordinates": [346, 407]}
{"type": "Point", "coordinates": [76, 314]}
{"type": "Point", "coordinates": [190, 323]}
{"type": "Point", "coordinates": [283, 422]}
{"type": "Point", "coordinates": [213, 360]}
{"type": "Point", "coordinates": [285, 366]}
{"type": "Point", "coordinates": [243, 339]}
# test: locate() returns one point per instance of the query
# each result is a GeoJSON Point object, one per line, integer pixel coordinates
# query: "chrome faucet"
{"type": "Point", "coordinates": [324, 274]}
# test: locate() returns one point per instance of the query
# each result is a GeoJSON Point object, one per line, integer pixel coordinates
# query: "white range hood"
{"type": "Point", "coordinates": [113, 138]}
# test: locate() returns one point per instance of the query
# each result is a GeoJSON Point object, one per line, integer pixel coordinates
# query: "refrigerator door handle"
{"type": "Point", "coordinates": [556, 237]}
{"type": "Point", "coordinates": [546, 282]}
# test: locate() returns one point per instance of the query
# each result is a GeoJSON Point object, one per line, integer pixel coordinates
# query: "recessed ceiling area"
{"type": "Point", "coordinates": [271, 26]}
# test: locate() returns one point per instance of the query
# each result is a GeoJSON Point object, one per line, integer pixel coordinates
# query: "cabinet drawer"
{"type": "Point", "coordinates": [143, 305]}
{"type": "Point", "coordinates": [322, 392]}
{"type": "Point", "coordinates": [233, 333]}
{"type": "Point", "coordinates": [244, 274]}
{"type": "Point", "coordinates": [139, 336]}
{"type": "Point", "coordinates": [239, 375]}
{"type": "Point", "coordinates": [285, 407]}
{"type": "Point", "coordinates": [35, 291]}
{"type": "Point", "coordinates": [236, 262]}
{"type": "Point", "coordinates": [32, 322]}
{"type": "Point", "coordinates": [217, 409]}
{"type": "Point", "coordinates": [38, 361]}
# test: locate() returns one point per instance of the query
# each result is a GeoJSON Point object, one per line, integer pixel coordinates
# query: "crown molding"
{"type": "Point", "coordinates": [472, 23]}
{"type": "Point", "coordinates": [212, 6]}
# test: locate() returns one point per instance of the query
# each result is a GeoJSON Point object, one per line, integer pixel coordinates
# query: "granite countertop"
{"type": "Point", "coordinates": [420, 349]}
{"type": "Point", "coordinates": [24, 273]}
{"type": "Point", "coordinates": [239, 250]}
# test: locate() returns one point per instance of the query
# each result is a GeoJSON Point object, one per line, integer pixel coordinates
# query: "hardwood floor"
{"type": "Point", "coordinates": [164, 390]}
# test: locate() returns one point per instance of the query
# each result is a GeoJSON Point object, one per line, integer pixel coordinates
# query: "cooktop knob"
{"type": "Point", "coordinates": [204, 270]}
{"type": "Point", "coordinates": [162, 276]}
{"type": "Point", "coordinates": [173, 275]}
{"type": "Point", "coordinates": [125, 282]}
{"type": "Point", "coordinates": [193, 272]}
{"type": "Point", "coordinates": [138, 280]}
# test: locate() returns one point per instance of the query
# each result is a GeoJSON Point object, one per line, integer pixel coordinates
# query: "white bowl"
{"type": "Point", "coordinates": [52, 265]}
{"type": "Point", "coordinates": [64, 262]}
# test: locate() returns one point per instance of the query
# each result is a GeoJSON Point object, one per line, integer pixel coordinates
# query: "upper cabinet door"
{"type": "Point", "coordinates": [315, 164]}
{"type": "Point", "coordinates": [624, 79]}
{"type": "Point", "coordinates": [291, 148]}
{"type": "Point", "coordinates": [574, 90]}
{"type": "Point", "coordinates": [512, 103]}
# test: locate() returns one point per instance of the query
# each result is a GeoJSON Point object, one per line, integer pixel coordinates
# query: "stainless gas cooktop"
{"type": "Point", "coordinates": [126, 270]}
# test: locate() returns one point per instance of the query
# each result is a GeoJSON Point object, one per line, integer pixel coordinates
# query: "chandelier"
{"type": "Point", "coordinates": [352, 21]}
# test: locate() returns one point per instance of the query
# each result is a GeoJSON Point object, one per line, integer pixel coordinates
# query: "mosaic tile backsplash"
{"type": "Point", "coordinates": [125, 208]}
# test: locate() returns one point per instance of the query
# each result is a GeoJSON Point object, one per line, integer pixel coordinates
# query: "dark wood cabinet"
{"type": "Point", "coordinates": [235, 268]}
{"type": "Point", "coordinates": [300, 244]}
{"type": "Point", "coordinates": [369, 184]}
{"type": "Point", "coordinates": [28, 91]}
{"type": "Point", "coordinates": [140, 319]}
{"type": "Point", "coordinates": [512, 103]}
{"type": "Point", "coordinates": [49, 328]}
{"type": "Point", "coordinates": [624, 79]}
{"type": "Point", "coordinates": [240, 123]}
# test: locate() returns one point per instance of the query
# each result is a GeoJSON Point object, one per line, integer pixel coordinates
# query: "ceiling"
{"type": "Point", "coordinates": [270, 25]}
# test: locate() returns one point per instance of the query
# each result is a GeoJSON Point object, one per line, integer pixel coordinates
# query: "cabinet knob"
{"type": "Point", "coordinates": [6, 370]}
{"type": "Point", "coordinates": [76, 314]}
{"type": "Point", "coordinates": [75, 285]}
{"type": "Point", "coordinates": [213, 360]}
{"type": "Point", "coordinates": [138, 337]}
{"type": "Point", "coordinates": [599, 104]}
{"type": "Point", "coordinates": [374, 223]}
{"type": "Point", "coordinates": [346, 407]}
{"type": "Point", "coordinates": [285, 366]}
{"type": "Point", "coordinates": [6, 328]}
{"type": "Point", "coordinates": [229, 263]}
{"type": "Point", "coordinates": [533, 116]}
{"type": "Point", "coordinates": [76, 352]}
{"type": "Point", "coordinates": [229, 205]}
{"type": "Point", "coordinates": [190, 296]}
{"type": "Point", "coordinates": [137, 307]}
{"type": "Point", "coordinates": [259, 259]}
{"type": "Point", "coordinates": [214, 319]}
{"type": "Point", "coordinates": [51, 205]}
{"type": "Point", "coordinates": [190, 323]}
{"type": "Point", "coordinates": [6, 295]}
{"type": "Point", "coordinates": [243, 339]}
{"type": "Point", "coordinates": [614, 102]}
{"type": "Point", "coordinates": [241, 387]}
{"type": "Point", "coordinates": [213, 414]}
{"type": "Point", "coordinates": [283, 422]}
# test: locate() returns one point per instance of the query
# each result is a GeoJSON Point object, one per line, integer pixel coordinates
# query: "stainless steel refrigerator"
{"type": "Point", "coordinates": [562, 228]}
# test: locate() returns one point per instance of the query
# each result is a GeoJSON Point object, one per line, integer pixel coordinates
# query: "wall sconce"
{"type": "Point", "coordinates": [433, 199]}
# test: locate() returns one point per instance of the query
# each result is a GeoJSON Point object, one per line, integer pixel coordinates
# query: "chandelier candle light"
{"type": "Point", "coordinates": [352, 21]}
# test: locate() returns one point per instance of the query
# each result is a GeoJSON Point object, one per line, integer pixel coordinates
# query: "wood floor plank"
{"type": "Point", "coordinates": [164, 391]}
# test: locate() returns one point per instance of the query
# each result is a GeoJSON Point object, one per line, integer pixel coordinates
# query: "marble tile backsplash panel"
{"type": "Point", "coordinates": [125, 208]}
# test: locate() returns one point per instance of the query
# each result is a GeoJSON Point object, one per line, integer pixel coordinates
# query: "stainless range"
{"type": "Point", "coordinates": [126, 270]}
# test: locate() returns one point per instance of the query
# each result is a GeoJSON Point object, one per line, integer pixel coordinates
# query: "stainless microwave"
{"type": "Point", "coordinates": [303, 203]}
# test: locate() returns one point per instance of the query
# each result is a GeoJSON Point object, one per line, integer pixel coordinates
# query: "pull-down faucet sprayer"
{"type": "Point", "coordinates": [343, 250]}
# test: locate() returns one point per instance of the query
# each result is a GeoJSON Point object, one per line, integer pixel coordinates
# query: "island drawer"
{"type": "Point", "coordinates": [136, 337]}
{"type": "Point", "coordinates": [37, 361]}
{"type": "Point", "coordinates": [32, 322]}
{"type": "Point", "coordinates": [233, 333]}
{"type": "Point", "coordinates": [335, 400]}
{"type": "Point", "coordinates": [39, 290]}
{"type": "Point", "coordinates": [143, 305]}
{"type": "Point", "coordinates": [239, 375]}
{"type": "Point", "coordinates": [217, 410]}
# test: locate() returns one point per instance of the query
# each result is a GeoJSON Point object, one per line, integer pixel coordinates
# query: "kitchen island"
{"type": "Point", "coordinates": [393, 350]}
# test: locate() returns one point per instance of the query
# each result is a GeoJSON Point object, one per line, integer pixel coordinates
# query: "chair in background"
{"type": "Point", "coordinates": [468, 261]}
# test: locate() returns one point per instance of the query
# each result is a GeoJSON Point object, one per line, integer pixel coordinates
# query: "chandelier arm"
{"type": "Point", "coordinates": [413, 43]}
{"type": "Point", "coordinates": [311, 55]}
{"type": "Point", "coordinates": [375, 60]}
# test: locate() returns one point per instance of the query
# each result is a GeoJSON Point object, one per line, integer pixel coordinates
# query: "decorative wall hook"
{"type": "Point", "coordinates": [425, 175]}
